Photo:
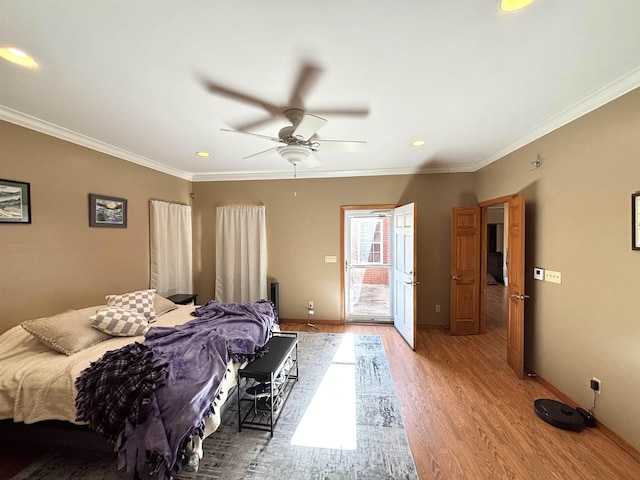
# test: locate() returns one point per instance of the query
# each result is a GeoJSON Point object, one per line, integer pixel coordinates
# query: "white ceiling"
{"type": "Point", "coordinates": [130, 78]}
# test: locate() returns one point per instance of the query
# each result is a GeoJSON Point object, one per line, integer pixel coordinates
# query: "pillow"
{"type": "Point", "coordinates": [120, 322]}
{"type": "Point", "coordinates": [140, 301]}
{"type": "Point", "coordinates": [162, 305]}
{"type": "Point", "coordinates": [67, 332]}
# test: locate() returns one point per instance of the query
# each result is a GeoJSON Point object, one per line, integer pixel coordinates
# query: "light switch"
{"type": "Point", "coordinates": [552, 276]}
{"type": "Point", "coordinates": [330, 259]}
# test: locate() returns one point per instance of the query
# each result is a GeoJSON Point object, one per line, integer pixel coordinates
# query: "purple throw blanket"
{"type": "Point", "coordinates": [195, 355]}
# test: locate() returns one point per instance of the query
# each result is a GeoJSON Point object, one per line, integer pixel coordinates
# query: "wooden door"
{"type": "Point", "coordinates": [404, 272]}
{"type": "Point", "coordinates": [515, 289]}
{"type": "Point", "coordinates": [465, 271]}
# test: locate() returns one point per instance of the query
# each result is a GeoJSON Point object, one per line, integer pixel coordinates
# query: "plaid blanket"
{"type": "Point", "coordinates": [115, 389]}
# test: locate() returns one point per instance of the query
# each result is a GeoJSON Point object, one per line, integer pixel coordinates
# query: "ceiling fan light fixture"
{"type": "Point", "coordinates": [513, 5]}
{"type": "Point", "coordinates": [294, 154]}
{"type": "Point", "coordinates": [418, 143]}
{"type": "Point", "coordinates": [203, 154]}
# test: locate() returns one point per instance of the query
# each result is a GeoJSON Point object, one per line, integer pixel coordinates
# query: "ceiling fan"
{"type": "Point", "coordinates": [298, 142]}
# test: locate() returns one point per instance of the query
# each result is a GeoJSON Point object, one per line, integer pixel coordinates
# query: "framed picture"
{"type": "Point", "coordinates": [107, 211]}
{"type": "Point", "coordinates": [15, 202]}
{"type": "Point", "coordinates": [635, 221]}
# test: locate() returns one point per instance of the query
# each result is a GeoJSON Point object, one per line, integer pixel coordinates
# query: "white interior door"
{"type": "Point", "coordinates": [404, 266]}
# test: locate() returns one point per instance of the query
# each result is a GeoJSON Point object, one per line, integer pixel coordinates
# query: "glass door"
{"type": "Point", "coordinates": [368, 270]}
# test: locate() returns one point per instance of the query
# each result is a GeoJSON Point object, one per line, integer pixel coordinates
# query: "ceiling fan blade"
{"type": "Point", "coordinates": [253, 124]}
{"type": "Point", "coordinates": [264, 153]}
{"type": "Point", "coordinates": [213, 87]}
{"type": "Point", "coordinates": [341, 145]}
{"type": "Point", "coordinates": [273, 139]}
{"type": "Point", "coordinates": [307, 77]}
{"type": "Point", "coordinates": [311, 161]}
{"type": "Point", "coordinates": [308, 126]}
{"type": "Point", "coordinates": [353, 112]}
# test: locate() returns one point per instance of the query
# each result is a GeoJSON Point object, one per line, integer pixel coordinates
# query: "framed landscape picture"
{"type": "Point", "coordinates": [107, 211]}
{"type": "Point", "coordinates": [15, 202]}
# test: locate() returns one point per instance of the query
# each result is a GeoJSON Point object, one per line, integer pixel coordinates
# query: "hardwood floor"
{"type": "Point", "coordinates": [466, 414]}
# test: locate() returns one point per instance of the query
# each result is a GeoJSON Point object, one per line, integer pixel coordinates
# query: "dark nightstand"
{"type": "Point", "coordinates": [183, 298]}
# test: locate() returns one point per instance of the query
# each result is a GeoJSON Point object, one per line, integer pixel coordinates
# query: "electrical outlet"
{"type": "Point", "coordinates": [596, 385]}
{"type": "Point", "coordinates": [310, 304]}
{"type": "Point", "coordinates": [437, 308]}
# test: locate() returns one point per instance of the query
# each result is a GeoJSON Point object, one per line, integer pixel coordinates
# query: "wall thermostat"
{"type": "Point", "coordinates": [538, 273]}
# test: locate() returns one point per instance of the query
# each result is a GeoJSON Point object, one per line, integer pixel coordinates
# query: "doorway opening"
{"type": "Point", "coordinates": [497, 276]}
{"type": "Point", "coordinates": [514, 220]}
{"type": "Point", "coordinates": [368, 275]}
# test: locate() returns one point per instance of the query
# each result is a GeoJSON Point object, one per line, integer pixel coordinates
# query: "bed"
{"type": "Point", "coordinates": [51, 368]}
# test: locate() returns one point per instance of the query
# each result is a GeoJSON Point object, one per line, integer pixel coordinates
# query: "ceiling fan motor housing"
{"type": "Point", "coordinates": [286, 135]}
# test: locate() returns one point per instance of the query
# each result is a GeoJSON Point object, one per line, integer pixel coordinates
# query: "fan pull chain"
{"type": "Point", "coordinates": [295, 194]}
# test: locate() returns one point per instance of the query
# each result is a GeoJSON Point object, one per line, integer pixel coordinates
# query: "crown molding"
{"type": "Point", "coordinates": [42, 126]}
{"type": "Point", "coordinates": [600, 97]}
{"type": "Point", "coordinates": [288, 175]}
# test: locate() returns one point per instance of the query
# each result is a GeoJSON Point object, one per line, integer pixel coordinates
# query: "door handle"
{"type": "Point", "coordinates": [519, 297]}
{"type": "Point", "coordinates": [409, 282]}
{"type": "Point", "coordinates": [455, 277]}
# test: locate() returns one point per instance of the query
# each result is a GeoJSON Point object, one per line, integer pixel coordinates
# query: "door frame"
{"type": "Point", "coordinates": [343, 210]}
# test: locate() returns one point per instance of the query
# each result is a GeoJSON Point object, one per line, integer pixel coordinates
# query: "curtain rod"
{"type": "Point", "coordinates": [166, 201]}
{"type": "Point", "coordinates": [261, 204]}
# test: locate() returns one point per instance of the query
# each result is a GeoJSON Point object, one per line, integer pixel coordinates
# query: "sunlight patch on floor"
{"type": "Point", "coordinates": [330, 419]}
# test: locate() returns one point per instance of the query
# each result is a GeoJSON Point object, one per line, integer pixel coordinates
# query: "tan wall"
{"type": "Point", "coordinates": [578, 222]}
{"type": "Point", "coordinates": [302, 229]}
{"type": "Point", "coordinates": [58, 262]}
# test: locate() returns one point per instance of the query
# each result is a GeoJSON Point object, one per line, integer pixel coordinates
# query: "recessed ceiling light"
{"type": "Point", "coordinates": [17, 56]}
{"type": "Point", "coordinates": [418, 143]}
{"type": "Point", "coordinates": [513, 5]}
{"type": "Point", "coordinates": [203, 154]}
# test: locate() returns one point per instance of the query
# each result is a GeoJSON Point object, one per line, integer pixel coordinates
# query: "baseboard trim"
{"type": "Point", "coordinates": [431, 326]}
{"type": "Point", "coordinates": [297, 321]}
{"type": "Point", "coordinates": [613, 436]}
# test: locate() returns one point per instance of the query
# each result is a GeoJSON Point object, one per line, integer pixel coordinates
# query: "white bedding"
{"type": "Point", "coordinates": [38, 383]}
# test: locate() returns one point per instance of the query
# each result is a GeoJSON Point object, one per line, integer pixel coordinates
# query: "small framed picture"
{"type": "Point", "coordinates": [15, 202]}
{"type": "Point", "coordinates": [635, 221]}
{"type": "Point", "coordinates": [107, 211]}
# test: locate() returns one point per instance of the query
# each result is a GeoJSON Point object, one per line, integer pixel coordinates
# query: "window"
{"type": "Point", "coordinates": [368, 232]}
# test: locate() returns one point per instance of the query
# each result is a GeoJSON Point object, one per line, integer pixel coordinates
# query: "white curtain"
{"type": "Point", "coordinates": [171, 252]}
{"type": "Point", "coordinates": [241, 254]}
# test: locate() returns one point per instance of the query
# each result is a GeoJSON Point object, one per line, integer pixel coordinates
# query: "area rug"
{"type": "Point", "coordinates": [341, 421]}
